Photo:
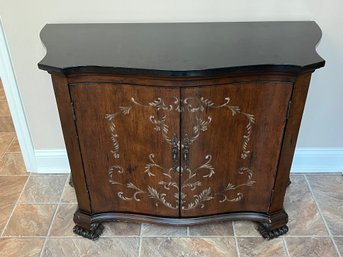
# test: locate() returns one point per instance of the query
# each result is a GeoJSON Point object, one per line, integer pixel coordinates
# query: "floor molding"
{"type": "Point", "coordinates": [9, 82]}
{"type": "Point", "coordinates": [305, 160]}
{"type": "Point", "coordinates": [318, 160]}
{"type": "Point", "coordinates": [52, 161]}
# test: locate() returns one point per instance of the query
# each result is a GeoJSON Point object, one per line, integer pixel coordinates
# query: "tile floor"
{"type": "Point", "coordinates": [36, 219]}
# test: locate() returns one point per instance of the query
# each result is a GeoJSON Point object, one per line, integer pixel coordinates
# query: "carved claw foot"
{"type": "Point", "coordinates": [270, 234]}
{"type": "Point", "coordinates": [93, 234]}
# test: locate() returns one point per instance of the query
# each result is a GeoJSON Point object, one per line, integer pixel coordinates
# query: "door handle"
{"type": "Point", "coordinates": [175, 152]}
{"type": "Point", "coordinates": [185, 151]}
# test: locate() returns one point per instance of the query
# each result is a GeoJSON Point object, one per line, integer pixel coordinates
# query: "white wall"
{"type": "Point", "coordinates": [23, 20]}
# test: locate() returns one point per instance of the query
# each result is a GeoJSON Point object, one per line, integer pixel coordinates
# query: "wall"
{"type": "Point", "coordinates": [23, 20]}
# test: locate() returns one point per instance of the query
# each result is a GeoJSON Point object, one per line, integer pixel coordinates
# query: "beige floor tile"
{"type": "Point", "coordinates": [4, 110]}
{"type": "Point", "coordinates": [304, 217]}
{"type": "Point", "coordinates": [14, 147]}
{"type": "Point", "coordinates": [328, 191]}
{"type": "Point", "coordinates": [215, 229]}
{"type": "Point", "coordinates": [246, 229]}
{"type": "Point", "coordinates": [43, 189]}
{"type": "Point", "coordinates": [192, 247]}
{"type": "Point", "coordinates": [5, 140]}
{"type": "Point", "coordinates": [5, 212]}
{"type": "Point", "coordinates": [6, 124]}
{"type": "Point", "coordinates": [339, 243]}
{"type": "Point", "coordinates": [118, 228]}
{"type": "Point", "coordinates": [2, 93]}
{"type": "Point", "coordinates": [252, 246]}
{"type": "Point", "coordinates": [30, 220]}
{"type": "Point", "coordinates": [12, 164]}
{"type": "Point", "coordinates": [310, 247]}
{"type": "Point", "coordinates": [10, 188]}
{"type": "Point", "coordinates": [161, 230]}
{"type": "Point", "coordinates": [15, 247]}
{"type": "Point", "coordinates": [63, 223]}
{"type": "Point", "coordinates": [104, 247]}
{"type": "Point", "coordinates": [69, 194]}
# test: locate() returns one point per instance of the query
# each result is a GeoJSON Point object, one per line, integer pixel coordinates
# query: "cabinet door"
{"type": "Point", "coordinates": [128, 138]}
{"type": "Point", "coordinates": [231, 139]}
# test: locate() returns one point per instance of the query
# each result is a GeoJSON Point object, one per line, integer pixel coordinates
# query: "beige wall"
{"type": "Point", "coordinates": [23, 20]}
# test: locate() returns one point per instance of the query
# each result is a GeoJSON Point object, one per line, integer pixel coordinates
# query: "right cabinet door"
{"type": "Point", "coordinates": [231, 138]}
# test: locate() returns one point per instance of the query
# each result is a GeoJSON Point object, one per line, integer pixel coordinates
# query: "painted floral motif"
{"type": "Point", "coordinates": [194, 105]}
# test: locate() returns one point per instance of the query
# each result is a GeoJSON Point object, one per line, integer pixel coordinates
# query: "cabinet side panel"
{"type": "Point", "coordinates": [298, 99]}
{"type": "Point", "coordinates": [63, 100]}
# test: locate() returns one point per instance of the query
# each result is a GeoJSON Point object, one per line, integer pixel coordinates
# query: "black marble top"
{"type": "Point", "coordinates": [181, 49]}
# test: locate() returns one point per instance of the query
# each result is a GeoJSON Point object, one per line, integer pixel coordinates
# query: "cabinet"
{"type": "Point", "coordinates": [170, 132]}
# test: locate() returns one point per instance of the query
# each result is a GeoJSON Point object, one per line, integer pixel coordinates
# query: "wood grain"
{"type": "Point", "coordinates": [70, 135]}
{"type": "Point", "coordinates": [236, 141]}
{"type": "Point", "coordinates": [120, 134]}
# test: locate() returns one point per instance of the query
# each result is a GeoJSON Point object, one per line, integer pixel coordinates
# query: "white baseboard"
{"type": "Point", "coordinates": [52, 161]}
{"type": "Point", "coordinates": [15, 104]}
{"type": "Point", "coordinates": [318, 160]}
{"type": "Point", "coordinates": [305, 160]}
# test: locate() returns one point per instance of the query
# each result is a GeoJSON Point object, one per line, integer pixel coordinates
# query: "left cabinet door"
{"type": "Point", "coordinates": [129, 140]}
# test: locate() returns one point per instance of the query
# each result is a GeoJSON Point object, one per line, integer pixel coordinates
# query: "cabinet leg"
{"type": "Point", "coordinates": [276, 227]}
{"type": "Point", "coordinates": [93, 234]}
{"type": "Point", "coordinates": [71, 181]}
{"type": "Point", "coordinates": [86, 227]}
{"type": "Point", "coordinates": [289, 182]}
{"type": "Point", "coordinates": [268, 233]}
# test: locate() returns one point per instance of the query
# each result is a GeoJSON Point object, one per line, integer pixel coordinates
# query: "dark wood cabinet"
{"type": "Point", "coordinates": [195, 135]}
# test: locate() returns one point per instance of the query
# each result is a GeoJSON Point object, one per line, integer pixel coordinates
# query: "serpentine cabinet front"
{"type": "Point", "coordinates": [180, 151]}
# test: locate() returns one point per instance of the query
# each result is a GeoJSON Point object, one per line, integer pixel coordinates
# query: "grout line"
{"type": "Point", "coordinates": [285, 245]}
{"type": "Point", "coordinates": [140, 240]}
{"type": "Point", "coordinates": [179, 236]}
{"type": "Point", "coordinates": [15, 205]}
{"type": "Point", "coordinates": [159, 236]}
{"type": "Point", "coordinates": [53, 217]}
{"type": "Point", "coordinates": [320, 173]}
{"type": "Point", "coordinates": [236, 241]}
{"type": "Point", "coordinates": [24, 237]}
{"type": "Point", "coordinates": [14, 175]}
{"type": "Point", "coordinates": [311, 236]}
{"type": "Point", "coordinates": [13, 152]}
{"type": "Point", "coordinates": [5, 151]}
{"type": "Point", "coordinates": [50, 203]}
{"type": "Point", "coordinates": [322, 216]}
{"type": "Point", "coordinates": [335, 245]}
{"type": "Point", "coordinates": [126, 236]}
{"type": "Point", "coordinates": [9, 145]}
{"type": "Point", "coordinates": [51, 174]}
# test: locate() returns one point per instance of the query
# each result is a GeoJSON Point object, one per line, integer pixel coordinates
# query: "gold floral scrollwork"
{"type": "Point", "coordinates": [251, 121]}
{"type": "Point", "coordinates": [137, 191]}
{"type": "Point", "coordinates": [205, 195]}
{"type": "Point", "coordinates": [114, 136]}
{"type": "Point", "coordinates": [231, 187]}
{"type": "Point", "coordinates": [118, 169]}
{"type": "Point", "coordinates": [161, 194]}
{"type": "Point", "coordinates": [161, 198]}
